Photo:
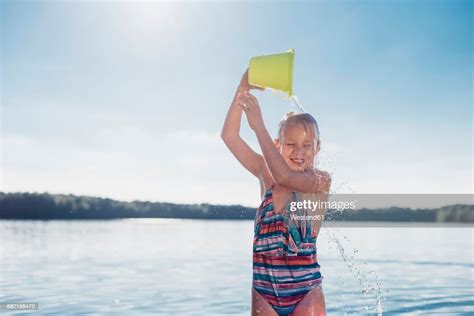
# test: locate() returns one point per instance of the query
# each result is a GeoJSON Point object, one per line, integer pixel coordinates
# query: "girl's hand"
{"type": "Point", "coordinates": [249, 104]}
{"type": "Point", "coordinates": [244, 85]}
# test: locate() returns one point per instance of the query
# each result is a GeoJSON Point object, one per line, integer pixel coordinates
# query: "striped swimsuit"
{"type": "Point", "coordinates": [285, 264]}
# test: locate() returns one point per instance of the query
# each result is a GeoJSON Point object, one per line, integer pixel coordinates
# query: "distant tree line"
{"type": "Point", "coordinates": [59, 206]}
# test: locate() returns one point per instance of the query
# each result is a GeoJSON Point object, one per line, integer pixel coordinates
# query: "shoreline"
{"type": "Point", "coordinates": [326, 224]}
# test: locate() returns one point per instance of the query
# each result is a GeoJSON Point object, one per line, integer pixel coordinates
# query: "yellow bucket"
{"type": "Point", "coordinates": [273, 71]}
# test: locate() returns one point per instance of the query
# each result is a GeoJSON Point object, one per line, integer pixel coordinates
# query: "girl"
{"type": "Point", "coordinates": [286, 276]}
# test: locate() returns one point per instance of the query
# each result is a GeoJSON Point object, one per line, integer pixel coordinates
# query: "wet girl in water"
{"type": "Point", "coordinates": [286, 273]}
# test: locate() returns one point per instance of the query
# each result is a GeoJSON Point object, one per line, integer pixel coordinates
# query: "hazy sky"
{"type": "Point", "coordinates": [126, 100]}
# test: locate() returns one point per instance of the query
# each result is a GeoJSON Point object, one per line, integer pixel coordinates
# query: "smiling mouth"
{"type": "Point", "coordinates": [297, 161]}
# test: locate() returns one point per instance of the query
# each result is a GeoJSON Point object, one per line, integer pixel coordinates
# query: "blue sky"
{"type": "Point", "coordinates": [127, 99]}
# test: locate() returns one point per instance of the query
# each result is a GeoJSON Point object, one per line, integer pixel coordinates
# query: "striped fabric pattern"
{"type": "Point", "coordinates": [285, 264]}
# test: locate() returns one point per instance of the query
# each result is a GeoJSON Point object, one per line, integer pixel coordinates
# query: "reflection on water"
{"type": "Point", "coordinates": [196, 267]}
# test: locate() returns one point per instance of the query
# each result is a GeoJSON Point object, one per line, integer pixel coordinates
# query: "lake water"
{"type": "Point", "coordinates": [199, 267]}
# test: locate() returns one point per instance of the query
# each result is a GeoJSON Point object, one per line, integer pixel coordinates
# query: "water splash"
{"type": "Point", "coordinates": [294, 100]}
{"type": "Point", "coordinates": [370, 286]}
{"type": "Point", "coordinates": [366, 279]}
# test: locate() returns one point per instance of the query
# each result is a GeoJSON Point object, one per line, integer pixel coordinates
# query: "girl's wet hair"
{"type": "Point", "coordinates": [306, 119]}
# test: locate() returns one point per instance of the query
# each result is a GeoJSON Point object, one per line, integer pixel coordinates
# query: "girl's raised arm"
{"type": "Point", "coordinates": [230, 134]}
{"type": "Point", "coordinates": [301, 181]}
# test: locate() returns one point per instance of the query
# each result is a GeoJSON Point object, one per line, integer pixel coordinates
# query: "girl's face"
{"type": "Point", "coordinates": [298, 146]}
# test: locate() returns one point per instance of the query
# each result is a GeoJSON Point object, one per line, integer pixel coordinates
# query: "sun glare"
{"type": "Point", "coordinates": [149, 20]}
